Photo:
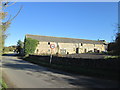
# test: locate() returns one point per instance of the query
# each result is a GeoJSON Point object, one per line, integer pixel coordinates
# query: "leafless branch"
{"type": "Point", "coordinates": [16, 14]}
{"type": "Point", "coordinates": [9, 18]}
{"type": "Point", "coordinates": [5, 5]}
{"type": "Point", "coordinates": [10, 4]}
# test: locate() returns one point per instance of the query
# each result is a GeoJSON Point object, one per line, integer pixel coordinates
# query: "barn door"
{"type": "Point", "coordinates": [77, 50]}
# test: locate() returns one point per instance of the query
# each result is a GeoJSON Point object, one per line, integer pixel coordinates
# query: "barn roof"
{"type": "Point", "coordinates": [62, 39]}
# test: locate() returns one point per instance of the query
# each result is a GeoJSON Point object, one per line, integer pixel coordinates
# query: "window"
{"type": "Point", "coordinates": [81, 44]}
{"type": "Point", "coordinates": [48, 43]}
{"type": "Point", "coordinates": [77, 50]}
{"type": "Point", "coordinates": [85, 50]}
{"type": "Point", "coordinates": [63, 51]}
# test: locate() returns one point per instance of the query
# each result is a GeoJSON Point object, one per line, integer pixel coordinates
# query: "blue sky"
{"type": "Point", "coordinates": [84, 20]}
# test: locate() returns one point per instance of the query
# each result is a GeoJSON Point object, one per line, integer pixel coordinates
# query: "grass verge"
{"type": "Point", "coordinates": [3, 84]}
{"type": "Point", "coordinates": [111, 57]}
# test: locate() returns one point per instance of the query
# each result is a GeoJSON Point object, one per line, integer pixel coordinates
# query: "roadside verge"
{"type": "Point", "coordinates": [7, 81]}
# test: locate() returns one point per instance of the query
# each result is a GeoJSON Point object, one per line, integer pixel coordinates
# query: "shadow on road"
{"type": "Point", "coordinates": [12, 54]}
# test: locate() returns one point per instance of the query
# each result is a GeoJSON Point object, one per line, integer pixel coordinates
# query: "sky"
{"type": "Point", "coordinates": [83, 20]}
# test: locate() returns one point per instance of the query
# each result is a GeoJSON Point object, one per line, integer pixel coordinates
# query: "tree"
{"type": "Point", "coordinates": [117, 42]}
{"type": "Point", "coordinates": [20, 46]}
{"type": "Point", "coordinates": [9, 49]}
{"type": "Point", "coordinates": [6, 23]}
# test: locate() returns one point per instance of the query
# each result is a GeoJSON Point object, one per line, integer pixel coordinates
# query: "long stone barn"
{"type": "Point", "coordinates": [61, 45]}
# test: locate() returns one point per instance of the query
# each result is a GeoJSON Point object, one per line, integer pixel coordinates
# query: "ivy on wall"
{"type": "Point", "coordinates": [30, 46]}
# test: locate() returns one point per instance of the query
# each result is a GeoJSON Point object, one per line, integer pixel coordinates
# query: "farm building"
{"type": "Point", "coordinates": [61, 45]}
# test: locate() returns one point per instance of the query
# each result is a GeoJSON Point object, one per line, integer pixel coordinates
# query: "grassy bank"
{"type": "Point", "coordinates": [76, 66]}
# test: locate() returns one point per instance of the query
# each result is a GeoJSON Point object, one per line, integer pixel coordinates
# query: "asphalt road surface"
{"type": "Point", "coordinates": [22, 74]}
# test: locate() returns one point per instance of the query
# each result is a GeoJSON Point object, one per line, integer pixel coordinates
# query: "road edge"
{"type": "Point", "coordinates": [8, 81]}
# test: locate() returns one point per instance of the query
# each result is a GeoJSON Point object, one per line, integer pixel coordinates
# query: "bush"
{"type": "Point", "coordinates": [117, 42]}
{"type": "Point", "coordinates": [30, 46]}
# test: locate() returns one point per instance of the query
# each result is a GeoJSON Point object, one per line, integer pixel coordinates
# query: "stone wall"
{"type": "Point", "coordinates": [68, 48]}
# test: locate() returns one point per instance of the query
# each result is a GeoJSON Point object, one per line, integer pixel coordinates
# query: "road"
{"type": "Point", "coordinates": [22, 74]}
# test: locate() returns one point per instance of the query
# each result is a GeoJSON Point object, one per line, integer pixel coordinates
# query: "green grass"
{"type": "Point", "coordinates": [4, 85]}
{"type": "Point", "coordinates": [111, 57]}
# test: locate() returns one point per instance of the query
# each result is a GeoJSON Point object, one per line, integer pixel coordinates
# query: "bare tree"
{"type": "Point", "coordinates": [4, 25]}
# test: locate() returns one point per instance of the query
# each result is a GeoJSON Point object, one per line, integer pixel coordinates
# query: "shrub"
{"type": "Point", "coordinates": [117, 42]}
{"type": "Point", "coordinates": [30, 46]}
